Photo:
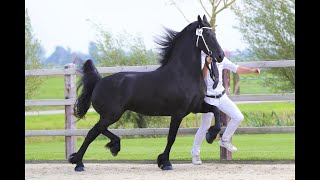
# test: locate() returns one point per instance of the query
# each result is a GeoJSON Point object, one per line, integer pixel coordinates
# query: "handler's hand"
{"type": "Point", "coordinates": [257, 71]}
{"type": "Point", "coordinates": [208, 59]}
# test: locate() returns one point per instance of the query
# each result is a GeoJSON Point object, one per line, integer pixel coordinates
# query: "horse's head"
{"type": "Point", "coordinates": [207, 41]}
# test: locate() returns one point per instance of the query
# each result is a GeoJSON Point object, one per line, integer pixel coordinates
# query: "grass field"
{"type": "Point", "coordinates": [250, 147]}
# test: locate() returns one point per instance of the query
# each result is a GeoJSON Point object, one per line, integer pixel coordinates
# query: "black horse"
{"type": "Point", "coordinates": [175, 89]}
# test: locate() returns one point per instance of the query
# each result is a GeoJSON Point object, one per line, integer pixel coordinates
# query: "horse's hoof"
{"type": "Point", "coordinates": [211, 135]}
{"type": "Point", "coordinates": [79, 167]}
{"type": "Point", "coordinates": [113, 149]}
{"type": "Point", "coordinates": [166, 167]}
{"type": "Point", "coordinates": [70, 159]}
{"type": "Point", "coordinates": [209, 138]}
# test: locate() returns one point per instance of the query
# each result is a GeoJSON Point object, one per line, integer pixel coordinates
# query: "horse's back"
{"type": "Point", "coordinates": [143, 92]}
{"type": "Point", "coordinates": [114, 92]}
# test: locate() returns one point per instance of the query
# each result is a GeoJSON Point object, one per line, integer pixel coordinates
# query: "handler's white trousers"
{"type": "Point", "coordinates": [230, 109]}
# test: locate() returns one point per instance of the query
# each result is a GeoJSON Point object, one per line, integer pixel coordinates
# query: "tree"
{"type": "Point", "coordinates": [211, 8]}
{"type": "Point", "coordinates": [60, 57]}
{"type": "Point", "coordinates": [122, 50]}
{"type": "Point", "coordinates": [33, 52]}
{"type": "Point", "coordinates": [92, 51]}
{"type": "Point", "coordinates": [268, 27]}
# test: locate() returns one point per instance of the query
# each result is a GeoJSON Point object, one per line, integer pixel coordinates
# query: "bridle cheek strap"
{"type": "Point", "coordinates": [214, 72]}
{"type": "Point", "coordinates": [199, 33]}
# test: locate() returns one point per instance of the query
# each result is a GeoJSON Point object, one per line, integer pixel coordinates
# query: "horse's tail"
{"type": "Point", "coordinates": [89, 79]}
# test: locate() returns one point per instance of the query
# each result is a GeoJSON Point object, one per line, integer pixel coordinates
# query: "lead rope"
{"type": "Point", "coordinates": [213, 72]}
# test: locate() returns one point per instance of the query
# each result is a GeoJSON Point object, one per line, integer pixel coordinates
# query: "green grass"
{"type": "Point", "coordinates": [268, 114]}
{"type": "Point", "coordinates": [250, 147]}
{"type": "Point", "coordinates": [57, 121]}
{"type": "Point", "coordinates": [52, 88]}
{"type": "Point", "coordinates": [268, 107]}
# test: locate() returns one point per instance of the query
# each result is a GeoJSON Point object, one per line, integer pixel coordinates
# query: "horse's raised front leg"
{"type": "Point", "coordinates": [215, 129]}
{"type": "Point", "coordinates": [163, 159]}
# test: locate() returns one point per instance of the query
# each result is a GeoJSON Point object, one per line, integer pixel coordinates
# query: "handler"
{"type": "Point", "coordinates": [216, 96]}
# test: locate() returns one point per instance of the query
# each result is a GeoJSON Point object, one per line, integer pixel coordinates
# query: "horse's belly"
{"type": "Point", "coordinates": [155, 107]}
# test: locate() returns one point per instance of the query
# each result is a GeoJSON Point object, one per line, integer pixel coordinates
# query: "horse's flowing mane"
{"type": "Point", "coordinates": [167, 42]}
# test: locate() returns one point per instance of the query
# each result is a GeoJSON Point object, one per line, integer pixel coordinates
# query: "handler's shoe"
{"type": "Point", "coordinates": [227, 145]}
{"type": "Point", "coordinates": [196, 159]}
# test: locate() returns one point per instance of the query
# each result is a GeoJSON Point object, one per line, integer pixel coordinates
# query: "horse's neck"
{"type": "Point", "coordinates": [186, 58]}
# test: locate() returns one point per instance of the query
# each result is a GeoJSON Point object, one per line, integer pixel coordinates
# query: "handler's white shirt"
{"type": "Point", "coordinates": [225, 64]}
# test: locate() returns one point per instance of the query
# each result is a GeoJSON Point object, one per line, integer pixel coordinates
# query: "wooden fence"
{"type": "Point", "coordinates": [71, 130]}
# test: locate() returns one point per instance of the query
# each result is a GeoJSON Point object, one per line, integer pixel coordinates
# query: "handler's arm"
{"type": "Point", "coordinates": [205, 69]}
{"type": "Point", "coordinates": [244, 70]}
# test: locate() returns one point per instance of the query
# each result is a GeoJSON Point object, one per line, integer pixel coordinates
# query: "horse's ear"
{"type": "Point", "coordinates": [205, 18]}
{"type": "Point", "coordinates": [199, 19]}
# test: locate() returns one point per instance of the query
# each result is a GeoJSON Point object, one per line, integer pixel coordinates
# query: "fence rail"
{"type": "Point", "coordinates": [159, 131]}
{"type": "Point", "coordinates": [47, 72]}
{"type": "Point", "coordinates": [235, 98]}
{"type": "Point", "coordinates": [70, 132]}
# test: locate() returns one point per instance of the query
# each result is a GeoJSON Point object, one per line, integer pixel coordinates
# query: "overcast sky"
{"type": "Point", "coordinates": [65, 22]}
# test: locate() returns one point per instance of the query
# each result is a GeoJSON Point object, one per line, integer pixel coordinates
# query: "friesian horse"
{"type": "Point", "coordinates": [175, 89]}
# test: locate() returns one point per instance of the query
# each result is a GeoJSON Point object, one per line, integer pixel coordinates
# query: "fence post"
{"type": "Point", "coordinates": [236, 84]}
{"type": "Point", "coordinates": [197, 120]}
{"type": "Point", "coordinates": [70, 119]}
{"type": "Point", "coordinates": [224, 153]}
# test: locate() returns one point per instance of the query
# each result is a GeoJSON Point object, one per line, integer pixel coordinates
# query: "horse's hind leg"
{"type": "Point", "coordinates": [114, 144]}
{"type": "Point", "coordinates": [76, 158]}
{"type": "Point", "coordinates": [99, 127]}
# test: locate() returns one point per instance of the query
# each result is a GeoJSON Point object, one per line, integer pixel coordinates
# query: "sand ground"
{"type": "Point", "coordinates": [185, 171]}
